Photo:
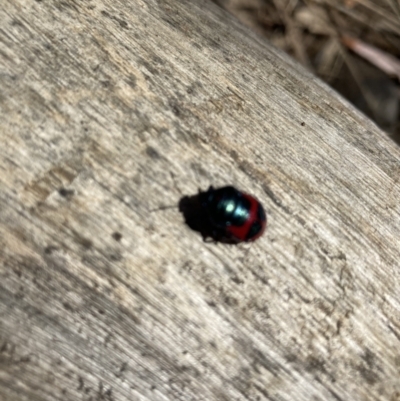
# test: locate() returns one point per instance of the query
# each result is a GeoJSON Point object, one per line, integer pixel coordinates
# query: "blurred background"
{"type": "Point", "coordinates": [353, 45]}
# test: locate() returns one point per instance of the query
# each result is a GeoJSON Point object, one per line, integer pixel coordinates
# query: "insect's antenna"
{"type": "Point", "coordinates": [163, 208]}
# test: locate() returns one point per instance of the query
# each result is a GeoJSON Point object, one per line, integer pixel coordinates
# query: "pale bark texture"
{"type": "Point", "coordinates": [113, 110]}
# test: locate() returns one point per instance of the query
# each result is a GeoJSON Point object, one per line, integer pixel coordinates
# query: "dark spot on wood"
{"type": "Point", "coordinates": [339, 325]}
{"type": "Point", "coordinates": [194, 87]}
{"type": "Point", "coordinates": [314, 364]}
{"type": "Point", "coordinates": [369, 368]}
{"type": "Point", "coordinates": [25, 359]}
{"type": "Point", "coordinates": [259, 359]}
{"type": "Point", "coordinates": [152, 153]}
{"type": "Point", "coordinates": [68, 307]}
{"type": "Point", "coordinates": [81, 383]}
{"type": "Point", "coordinates": [263, 391]}
{"type": "Point", "coordinates": [368, 374]}
{"type": "Point", "coordinates": [108, 339]}
{"type": "Point", "coordinates": [395, 396]}
{"type": "Point", "coordinates": [149, 67]}
{"type": "Point", "coordinates": [5, 347]}
{"type": "Point", "coordinates": [170, 22]}
{"type": "Point", "coordinates": [231, 301]}
{"type": "Point", "coordinates": [237, 280]}
{"type": "Point", "coordinates": [197, 45]}
{"type": "Point", "coordinates": [275, 199]}
{"type": "Point", "coordinates": [334, 394]}
{"type": "Point", "coordinates": [122, 369]}
{"type": "Point", "coordinates": [131, 81]}
{"type": "Point", "coordinates": [158, 60]}
{"type": "Point", "coordinates": [106, 83]}
{"type": "Point", "coordinates": [122, 23]}
{"type": "Point", "coordinates": [117, 236]}
{"type": "Point", "coordinates": [16, 22]}
{"type": "Point", "coordinates": [200, 170]}
{"type": "Point", "coordinates": [303, 124]}
{"type": "Point", "coordinates": [64, 6]}
{"type": "Point", "coordinates": [183, 368]}
{"type": "Point", "coordinates": [369, 357]}
{"type": "Point", "coordinates": [115, 256]}
{"type": "Point", "coordinates": [175, 108]}
{"type": "Point", "coordinates": [85, 242]}
{"type": "Point", "coordinates": [234, 155]}
{"type": "Point", "coordinates": [108, 394]}
{"type": "Point", "coordinates": [20, 294]}
{"type": "Point", "coordinates": [214, 43]}
{"type": "Point", "coordinates": [50, 249]}
{"type": "Point", "coordinates": [66, 193]}
{"type": "Point", "coordinates": [101, 311]}
{"type": "Point", "coordinates": [291, 358]}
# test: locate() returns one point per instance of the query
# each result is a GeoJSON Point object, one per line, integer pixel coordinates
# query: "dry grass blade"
{"type": "Point", "coordinates": [310, 31]}
{"type": "Point", "coordinates": [384, 61]}
{"type": "Point", "coordinates": [293, 33]}
{"type": "Point", "coordinates": [367, 12]}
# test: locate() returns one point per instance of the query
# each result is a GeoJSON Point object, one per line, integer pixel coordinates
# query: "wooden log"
{"type": "Point", "coordinates": [111, 111]}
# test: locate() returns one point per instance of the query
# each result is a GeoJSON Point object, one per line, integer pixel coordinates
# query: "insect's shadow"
{"type": "Point", "coordinates": [197, 218]}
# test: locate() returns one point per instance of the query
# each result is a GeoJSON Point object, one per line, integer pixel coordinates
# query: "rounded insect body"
{"type": "Point", "coordinates": [233, 215]}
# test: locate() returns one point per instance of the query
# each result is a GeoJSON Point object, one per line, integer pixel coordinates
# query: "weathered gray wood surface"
{"type": "Point", "coordinates": [110, 110]}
